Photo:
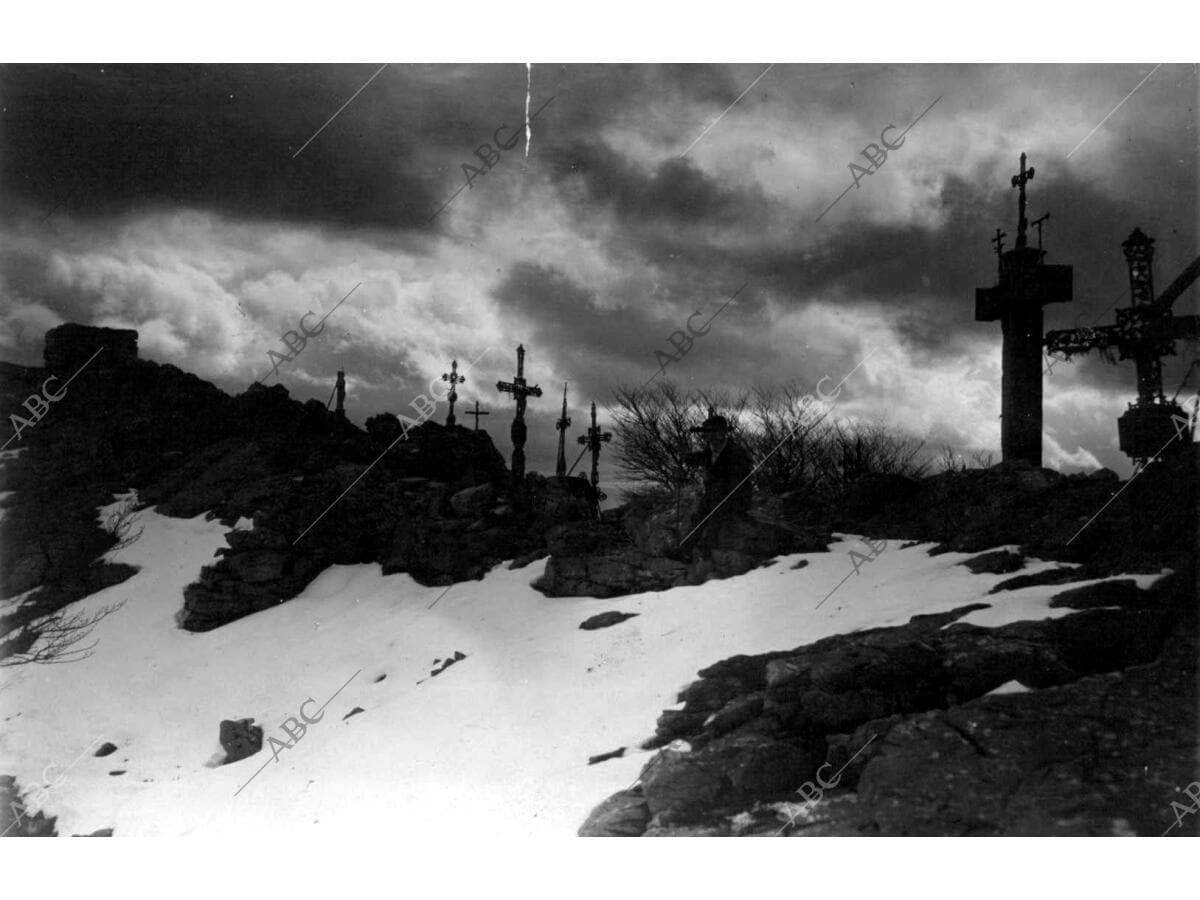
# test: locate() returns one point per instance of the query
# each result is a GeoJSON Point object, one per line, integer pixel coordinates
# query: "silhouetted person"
{"type": "Point", "coordinates": [728, 491]}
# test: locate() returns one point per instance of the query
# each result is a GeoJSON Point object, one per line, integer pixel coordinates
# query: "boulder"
{"type": "Point", "coordinates": [624, 814]}
{"type": "Point", "coordinates": [472, 502]}
{"type": "Point", "coordinates": [605, 620]}
{"type": "Point", "coordinates": [240, 738]}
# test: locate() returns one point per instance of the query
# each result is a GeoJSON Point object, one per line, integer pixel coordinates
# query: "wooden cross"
{"type": "Point", "coordinates": [454, 378]}
{"type": "Point", "coordinates": [476, 413]}
{"type": "Point", "coordinates": [1145, 332]}
{"type": "Point", "coordinates": [593, 440]}
{"type": "Point", "coordinates": [518, 388]}
{"type": "Point", "coordinates": [998, 240]}
{"type": "Point", "coordinates": [1037, 223]}
{"type": "Point", "coordinates": [564, 421]}
{"type": "Point", "coordinates": [1019, 181]}
{"type": "Point", "coordinates": [1026, 284]}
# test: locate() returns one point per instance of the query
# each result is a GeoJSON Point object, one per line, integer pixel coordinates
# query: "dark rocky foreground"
{"type": "Point", "coordinates": [1103, 741]}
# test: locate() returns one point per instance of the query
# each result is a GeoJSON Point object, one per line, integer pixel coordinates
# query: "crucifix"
{"type": "Point", "coordinates": [518, 388]}
{"type": "Point", "coordinates": [592, 441]}
{"type": "Point", "coordinates": [477, 413]}
{"type": "Point", "coordinates": [1026, 284]}
{"type": "Point", "coordinates": [454, 378]}
{"type": "Point", "coordinates": [1145, 332]}
{"type": "Point", "coordinates": [564, 421]}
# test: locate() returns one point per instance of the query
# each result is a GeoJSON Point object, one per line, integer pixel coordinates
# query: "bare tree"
{"type": "Point", "coordinates": [55, 638]}
{"type": "Point", "coordinates": [652, 425]}
{"type": "Point", "coordinates": [124, 524]}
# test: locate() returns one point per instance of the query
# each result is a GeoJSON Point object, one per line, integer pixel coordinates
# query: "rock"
{"type": "Point", "coordinates": [353, 712]}
{"type": "Point", "coordinates": [105, 749]}
{"type": "Point", "coordinates": [472, 502]}
{"type": "Point", "coordinates": [1116, 592]}
{"type": "Point", "coordinates": [998, 562]}
{"type": "Point", "coordinates": [605, 620]}
{"type": "Point", "coordinates": [240, 738]}
{"type": "Point", "coordinates": [624, 814]}
{"type": "Point", "coordinates": [602, 757]}
{"type": "Point", "coordinates": [731, 769]}
{"type": "Point", "coordinates": [734, 713]}
{"type": "Point", "coordinates": [1062, 575]}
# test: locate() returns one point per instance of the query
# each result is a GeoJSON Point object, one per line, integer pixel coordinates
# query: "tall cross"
{"type": "Point", "coordinates": [454, 378]}
{"type": "Point", "coordinates": [518, 388]}
{"type": "Point", "coordinates": [1019, 181]}
{"type": "Point", "coordinates": [477, 413]}
{"type": "Point", "coordinates": [593, 440]}
{"type": "Point", "coordinates": [340, 388]}
{"type": "Point", "coordinates": [564, 421]}
{"type": "Point", "coordinates": [1026, 284]}
{"type": "Point", "coordinates": [1145, 332]}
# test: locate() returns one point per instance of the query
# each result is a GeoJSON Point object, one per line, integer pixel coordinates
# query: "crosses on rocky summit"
{"type": "Point", "coordinates": [1145, 332]}
{"type": "Point", "coordinates": [1026, 284]}
{"type": "Point", "coordinates": [518, 388]}
{"type": "Point", "coordinates": [454, 378]}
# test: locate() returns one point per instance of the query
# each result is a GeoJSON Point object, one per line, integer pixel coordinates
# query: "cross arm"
{"type": "Point", "coordinates": [1180, 284]}
{"type": "Point", "coordinates": [1072, 341]}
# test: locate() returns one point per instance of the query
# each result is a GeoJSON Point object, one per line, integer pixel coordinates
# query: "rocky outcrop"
{"type": "Point", "coordinates": [637, 549]}
{"type": "Point", "coordinates": [936, 754]}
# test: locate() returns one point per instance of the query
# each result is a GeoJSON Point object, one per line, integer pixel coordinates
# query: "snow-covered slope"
{"type": "Point", "coordinates": [497, 743]}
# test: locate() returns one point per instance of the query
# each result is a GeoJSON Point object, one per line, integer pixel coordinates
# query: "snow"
{"type": "Point", "coordinates": [498, 742]}
{"type": "Point", "coordinates": [1010, 687]}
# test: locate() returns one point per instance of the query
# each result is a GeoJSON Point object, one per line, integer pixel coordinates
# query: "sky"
{"type": "Point", "coordinates": [212, 206]}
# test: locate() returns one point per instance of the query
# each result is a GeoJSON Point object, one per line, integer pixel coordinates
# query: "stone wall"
{"type": "Point", "coordinates": [70, 346]}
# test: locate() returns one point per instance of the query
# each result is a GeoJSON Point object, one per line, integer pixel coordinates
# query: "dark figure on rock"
{"type": "Point", "coordinates": [728, 491]}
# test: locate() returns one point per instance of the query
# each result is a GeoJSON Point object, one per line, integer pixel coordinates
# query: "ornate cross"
{"type": "Point", "coordinates": [454, 378]}
{"type": "Point", "coordinates": [518, 388]}
{"type": "Point", "coordinates": [477, 413]}
{"type": "Point", "coordinates": [593, 440]}
{"type": "Point", "coordinates": [1145, 332]}
{"type": "Point", "coordinates": [1019, 181]}
{"type": "Point", "coordinates": [564, 421]}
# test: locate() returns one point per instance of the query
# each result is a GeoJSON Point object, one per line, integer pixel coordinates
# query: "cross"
{"type": "Point", "coordinates": [998, 240]}
{"type": "Point", "coordinates": [340, 390]}
{"type": "Point", "coordinates": [1037, 223]}
{"type": "Point", "coordinates": [1145, 332]}
{"type": "Point", "coordinates": [1025, 285]}
{"type": "Point", "coordinates": [593, 440]}
{"type": "Point", "coordinates": [454, 378]}
{"type": "Point", "coordinates": [476, 413]}
{"type": "Point", "coordinates": [518, 388]}
{"type": "Point", "coordinates": [1019, 181]}
{"type": "Point", "coordinates": [560, 467]}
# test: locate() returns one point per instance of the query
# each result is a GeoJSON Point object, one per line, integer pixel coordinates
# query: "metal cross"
{"type": "Point", "coordinates": [477, 413]}
{"type": "Point", "coordinates": [454, 378]}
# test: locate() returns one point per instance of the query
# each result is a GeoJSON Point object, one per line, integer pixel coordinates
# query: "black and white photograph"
{"type": "Point", "coordinates": [577, 448]}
